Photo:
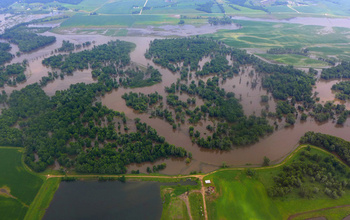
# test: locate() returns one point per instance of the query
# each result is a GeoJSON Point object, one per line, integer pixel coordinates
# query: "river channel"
{"type": "Point", "coordinates": [275, 146]}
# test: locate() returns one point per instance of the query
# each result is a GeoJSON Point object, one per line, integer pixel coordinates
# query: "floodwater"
{"type": "Point", "coordinates": [275, 146]}
{"type": "Point", "coordinates": [107, 200]}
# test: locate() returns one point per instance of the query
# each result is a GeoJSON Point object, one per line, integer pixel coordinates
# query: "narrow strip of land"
{"type": "Point", "coordinates": [317, 210]}
{"type": "Point", "coordinates": [289, 6]}
{"type": "Point", "coordinates": [143, 7]}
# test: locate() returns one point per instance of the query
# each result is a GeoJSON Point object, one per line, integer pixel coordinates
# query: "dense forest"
{"type": "Point", "coordinates": [337, 72]}
{"type": "Point", "coordinates": [106, 61]}
{"type": "Point", "coordinates": [311, 175]}
{"type": "Point", "coordinates": [12, 74]}
{"type": "Point", "coordinates": [66, 47]}
{"type": "Point", "coordinates": [5, 56]}
{"type": "Point", "coordinates": [343, 90]}
{"type": "Point", "coordinates": [333, 144]}
{"type": "Point", "coordinates": [190, 51]}
{"type": "Point", "coordinates": [114, 53]}
{"type": "Point", "coordinates": [75, 130]}
{"type": "Point", "coordinates": [27, 38]}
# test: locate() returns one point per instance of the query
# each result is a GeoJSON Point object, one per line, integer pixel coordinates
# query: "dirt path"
{"type": "Point", "coordinates": [203, 195]}
{"type": "Point", "coordinates": [289, 6]}
{"type": "Point", "coordinates": [184, 198]}
{"type": "Point", "coordinates": [317, 210]}
{"type": "Point", "coordinates": [143, 6]}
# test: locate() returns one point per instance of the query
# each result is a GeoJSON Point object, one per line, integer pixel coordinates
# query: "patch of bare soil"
{"type": "Point", "coordinates": [184, 197]}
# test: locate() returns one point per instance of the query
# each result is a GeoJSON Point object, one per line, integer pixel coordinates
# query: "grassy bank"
{"type": "Point", "coordinates": [241, 196]}
{"type": "Point", "coordinates": [42, 200]}
{"type": "Point", "coordinates": [295, 60]}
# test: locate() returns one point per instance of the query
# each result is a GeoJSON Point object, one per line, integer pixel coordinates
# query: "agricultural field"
{"type": "Point", "coordinates": [266, 35]}
{"type": "Point", "coordinates": [18, 187]}
{"type": "Point", "coordinates": [295, 60]}
{"type": "Point", "coordinates": [81, 20]}
{"type": "Point", "coordinates": [242, 196]}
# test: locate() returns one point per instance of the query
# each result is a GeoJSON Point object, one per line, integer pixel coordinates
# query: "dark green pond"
{"type": "Point", "coordinates": [107, 200]}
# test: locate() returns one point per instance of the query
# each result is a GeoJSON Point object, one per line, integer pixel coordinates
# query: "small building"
{"type": "Point", "coordinates": [207, 181]}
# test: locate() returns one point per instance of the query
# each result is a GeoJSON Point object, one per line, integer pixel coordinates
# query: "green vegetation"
{"type": "Point", "coordinates": [66, 46]}
{"type": "Point", "coordinates": [329, 214]}
{"type": "Point", "coordinates": [337, 72]}
{"type": "Point", "coordinates": [12, 74]}
{"type": "Point", "coordinates": [239, 196]}
{"type": "Point", "coordinates": [115, 53]}
{"type": "Point", "coordinates": [5, 56]}
{"type": "Point", "coordinates": [196, 204]}
{"type": "Point", "coordinates": [173, 206]}
{"type": "Point", "coordinates": [189, 50]}
{"type": "Point", "coordinates": [82, 20]}
{"type": "Point", "coordinates": [141, 102]}
{"type": "Point", "coordinates": [242, 194]}
{"type": "Point", "coordinates": [295, 60]}
{"type": "Point", "coordinates": [42, 200]}
{"type": "Point", "coordinates": [122, 7]}
{"type": "Point", "coordinates": [27, 38]}
{"type": "Point", "coordinates": [333, 144]}
{"type": "Point", "coordinates": [343, 89]}
{"type": "Point", "coordinates": [18, 186]}
{"type": "Point", "coordinates": [252, 34]}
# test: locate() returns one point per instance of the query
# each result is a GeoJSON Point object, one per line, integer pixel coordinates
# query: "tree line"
{"type": "Point", "coordinates": [27, 38]}
{"type": "Point", "coordinates": [310, 176]}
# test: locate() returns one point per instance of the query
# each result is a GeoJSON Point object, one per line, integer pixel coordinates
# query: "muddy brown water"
{"type": "Point", "coordinates": [275, 146]}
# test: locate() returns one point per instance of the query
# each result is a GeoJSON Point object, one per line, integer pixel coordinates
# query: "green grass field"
{"type": "Point", "coordinates": [239, 196]}
{"type": "Point", "coordinates": [83, 20]}
{"type": "Point", "coordinates": [122, 7]}
{"type": "Point", "coordinates": [87, 5]}
{"type": "Point", "coordinates": [18, 181]}
{"type": "Point", "coordinates": [295, 60]}
{"type": "Point", "coordinates": [173, 206]}
{"type": "Point", "coordinates": [196, 204]}
{"type": "Point", "coordinates": [266, 35]}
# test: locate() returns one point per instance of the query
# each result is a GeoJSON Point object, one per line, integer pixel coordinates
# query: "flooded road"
{"type": "Point", "coordinates": [275, 146]}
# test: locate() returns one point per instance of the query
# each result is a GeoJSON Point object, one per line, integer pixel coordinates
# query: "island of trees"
{"type": "Point", "coordinates": [27, 38]}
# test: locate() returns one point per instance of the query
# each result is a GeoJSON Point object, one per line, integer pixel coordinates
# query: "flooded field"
{"type": "Point", "coordinates": [275, 146]}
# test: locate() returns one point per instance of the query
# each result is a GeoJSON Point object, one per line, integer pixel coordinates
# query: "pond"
{"type": "Point", "coordinates": [107, 200]}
